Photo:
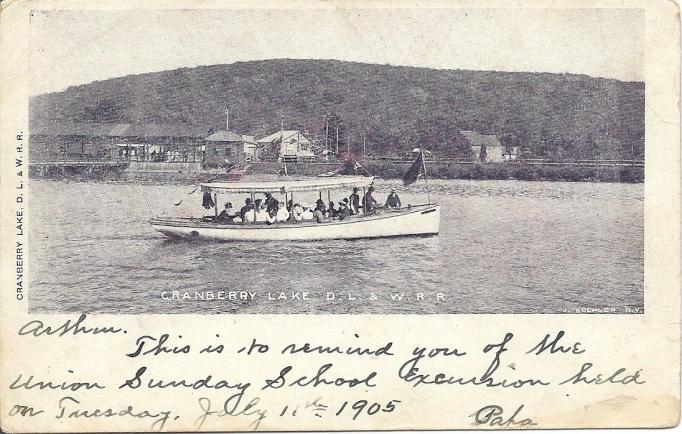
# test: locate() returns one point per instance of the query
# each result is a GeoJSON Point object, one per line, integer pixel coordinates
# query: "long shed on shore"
{"type": "Point", "coordinates": [99, 141]}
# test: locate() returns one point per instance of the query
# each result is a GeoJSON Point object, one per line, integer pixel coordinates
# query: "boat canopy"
{"type": "Point", "coordinates": [335, 183]}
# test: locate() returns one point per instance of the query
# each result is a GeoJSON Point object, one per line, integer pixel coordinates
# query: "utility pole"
{"type": "Point", "coordinates": [227, 118]}
{"type": "Point", "coordinates": [281, 127]}
{"type": "Point", "coordinates": [337, 140]}
{"type": "Point", "coordinates": [326, 134]}
{"type": "Point", "coordinates": [348, 143]}
{"type": "Point", "coordinates": [364, 145]}
{"type": "Point", "coordinates": [281, 143]}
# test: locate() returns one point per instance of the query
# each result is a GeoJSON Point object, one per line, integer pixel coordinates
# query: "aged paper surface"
{"type": "Point", "coordinates": [528, 275]}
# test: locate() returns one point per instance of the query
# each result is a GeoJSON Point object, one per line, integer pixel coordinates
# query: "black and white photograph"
{"type": "Point", "coordinates": [260, 161]}
{"type": "Point", "coordinates": [339, 216]}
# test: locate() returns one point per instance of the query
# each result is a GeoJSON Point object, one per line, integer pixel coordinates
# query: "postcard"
{"type": "Point", "coordinates": [338, 215]}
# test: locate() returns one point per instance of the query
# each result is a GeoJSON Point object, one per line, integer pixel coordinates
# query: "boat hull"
{"type": "Point", "coordinates": [414, 221]}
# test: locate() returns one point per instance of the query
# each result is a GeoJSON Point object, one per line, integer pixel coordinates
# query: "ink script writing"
{"type": "Point", "coordinates": [171, 379]}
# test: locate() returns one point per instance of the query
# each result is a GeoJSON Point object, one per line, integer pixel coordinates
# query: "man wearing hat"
{"type": "Point", "coordinates": [393, 200]}
{"type": "Point", "coordinates": [228, 214]}
{"type": "Point", "coordinates": [319, 205]}
{"type": "Point", "coordinates": [368, 202]}
{"type": "Point", "coordinates": [343, 211]}
{"type": "Point", "coordinates": [271, 204]}
{"type": "Point", "coordinates": [247, 207]}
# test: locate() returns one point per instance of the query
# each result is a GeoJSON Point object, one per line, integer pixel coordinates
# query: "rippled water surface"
{"type": "Point", "coordinates": [504, 247]}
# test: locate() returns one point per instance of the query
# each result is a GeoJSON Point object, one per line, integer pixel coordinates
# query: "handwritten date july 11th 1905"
{"type": "Point", "coordinates": [348, 375]}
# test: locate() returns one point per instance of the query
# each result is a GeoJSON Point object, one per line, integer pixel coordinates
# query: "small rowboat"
{"type": "Point", "coordinates": [416, 220]}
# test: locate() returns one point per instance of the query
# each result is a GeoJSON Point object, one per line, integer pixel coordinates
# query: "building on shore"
{"type": "Point", "coordinates": [224, 148]}
{"type": "Point", "coordinates": [290, 145]}
{"type": "Point", "coordinates": [251, 149]}
{"type": "Point", "coordinates": [487, 148]}
{"type": "Point", "coordinates": [510, 153]}
{"type": "Point", "coordinates": [97, 141]}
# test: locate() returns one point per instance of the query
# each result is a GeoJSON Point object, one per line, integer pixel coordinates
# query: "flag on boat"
{"type": "Point", "coordinates": [416, 170]}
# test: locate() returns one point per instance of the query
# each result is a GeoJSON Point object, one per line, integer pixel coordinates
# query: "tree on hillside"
{"type": "Point", "coordinates": [440, 136]}
{"type": "Point", "coordinates": [381, 142]}
{"type": "Point", "coordinates": [509, 140]}
{"type": "Point", "coordinates": [104, 110]}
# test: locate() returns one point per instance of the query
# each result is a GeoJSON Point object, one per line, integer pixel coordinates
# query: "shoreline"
{"type": "Point", "coordinates": [383, 170]}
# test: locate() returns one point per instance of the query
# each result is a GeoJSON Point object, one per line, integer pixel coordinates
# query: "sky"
{"type": "Point", "coordinates": [76, 47]}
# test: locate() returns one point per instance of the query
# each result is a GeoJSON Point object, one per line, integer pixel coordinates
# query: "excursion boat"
{"type": "Point", "coordinates": [410, 220]}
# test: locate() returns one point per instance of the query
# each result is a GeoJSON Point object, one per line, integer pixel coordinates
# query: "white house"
{"type": "Point", "coordinates": [292, 144]}
{"type": "Point", "coordinates": [250, 147]}
{"type": "Point", "coordinates": [495, 152]}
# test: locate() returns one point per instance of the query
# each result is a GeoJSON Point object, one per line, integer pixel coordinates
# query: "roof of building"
{"type": "Point", "coordinates": [224, 136]}
{"type": "Point", "coordinates": [287, 134]}
{"type": "Point", "coordinates": [477, 139]}
{"type": "Point", "coordinates": [105, 129]}
{"type": "Point", "coordinates": [249, 139]}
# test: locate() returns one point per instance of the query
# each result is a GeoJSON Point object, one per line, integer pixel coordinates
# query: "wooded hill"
{"type": "Point", "coordinates": [395, 107]}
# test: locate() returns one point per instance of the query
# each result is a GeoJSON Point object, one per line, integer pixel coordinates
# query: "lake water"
{"type": "Point", "coordinates": [504, 247]}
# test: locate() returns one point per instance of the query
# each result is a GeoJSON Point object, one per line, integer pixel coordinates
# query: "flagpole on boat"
{"type": "Point", "coordinates": [426, 179]}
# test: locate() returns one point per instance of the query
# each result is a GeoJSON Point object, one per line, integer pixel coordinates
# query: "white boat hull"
{"type": "Point", "coordinates": [417, 220]}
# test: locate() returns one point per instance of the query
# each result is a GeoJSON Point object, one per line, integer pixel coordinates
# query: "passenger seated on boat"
{"type": "Point", "coordinates": [297, 212]}
{"type": "Point", "coordinates": [247, 206]}
{"type": "Point", "coordinates": [321, 208]}
{"type": "Point", "coordinates": [281, 214]}
{"type": "Point", "coordinates": [393, 200]}
{"type": "Point", "coordinates": [343, 211]}
{"type": "Point", "coordinates": [270, 204]}
{"type": "Point", "coordinates": [228, 214]}
{"type": "Point", "coordinates": [249, 216]}
{"type": "Point", "coordinates": [307, 214]}
{"type": "Point", "coordinates": [331, 211]}
{"type": "Point", "coordinates": [261, 213]}
{"type": "Point", "coordinates": [368, 202]}
{"type": "Point", "coordinates": [319, 204]}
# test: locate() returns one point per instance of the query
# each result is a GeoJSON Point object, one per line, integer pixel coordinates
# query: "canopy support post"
{"type": "Point", "coordinates": [329, 202]}
{"type": "Point", "coordinates": [215, 203]}
{"type": "Point", "coordinates": [362, 202]}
